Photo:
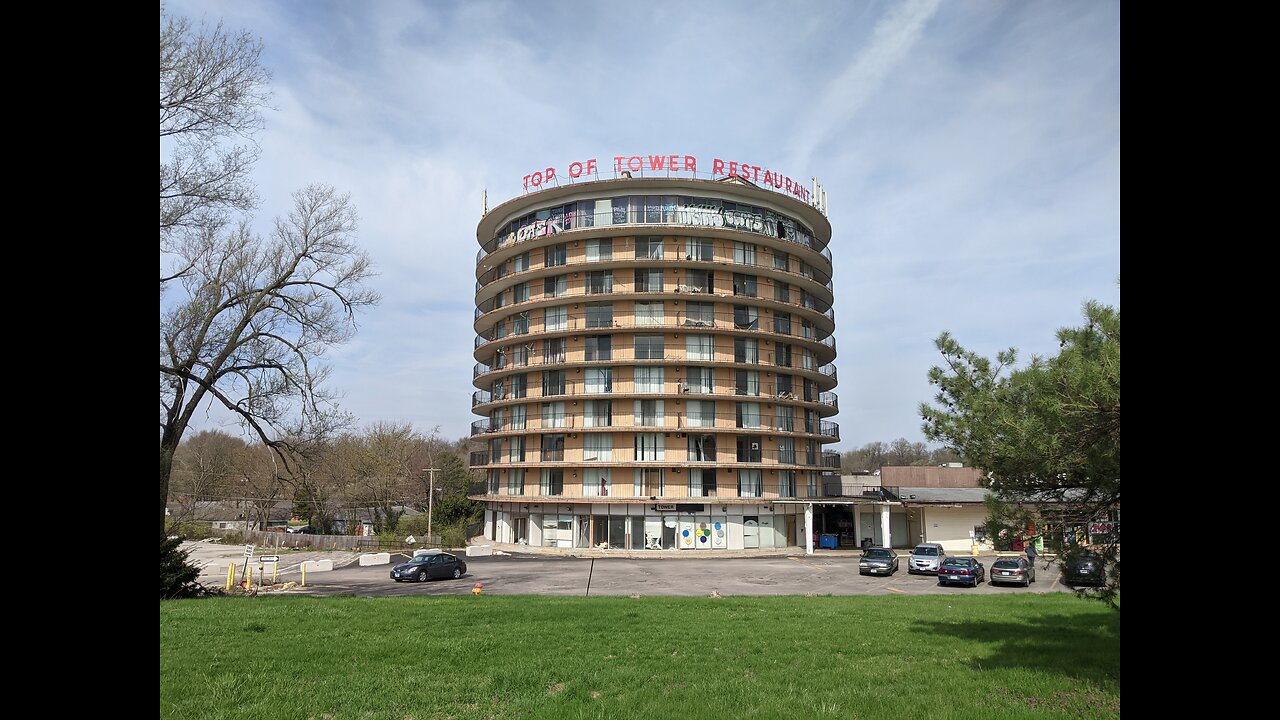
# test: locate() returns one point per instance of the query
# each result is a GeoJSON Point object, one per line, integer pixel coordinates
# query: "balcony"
{"type": "Point", "coordinates": [837, 487]}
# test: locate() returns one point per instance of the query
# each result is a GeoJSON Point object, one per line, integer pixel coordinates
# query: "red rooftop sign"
{"type": "Point", "coordinates": [623, 165]}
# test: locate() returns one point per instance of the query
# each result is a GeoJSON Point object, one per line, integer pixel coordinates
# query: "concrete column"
{"type": "Point", "coordinates": [857, 525]}
{"type": "Point", "coordinates": [808, 529]}
{"type": "Point", "coordinates": [884, 526]}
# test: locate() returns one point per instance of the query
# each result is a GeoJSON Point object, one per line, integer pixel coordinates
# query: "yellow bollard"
{"type": "Point", "coordinates": [275, 572]}
{"type": "Point", "coordinates": [304, 574]}
{"type": "Point", "coordinates": [231, 575]}
{"type": "Point", "coordinates": [248, 583]}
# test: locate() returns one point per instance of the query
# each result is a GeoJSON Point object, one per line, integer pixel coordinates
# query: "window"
{"type": "Point", "coordinates": [552, 382]}
{"type": "Point", "coordinates": [811, 452]}
{"type": "Point", "coordinates": [698, 281]}
{"type": "Point", "coordinates": [520, 325]}
{"type": "Point", "coordinates": [699, 314]}
{"type": "Point", "coordinates": [556, 255]}
{"type": "Point", "coordinates": [750, 483]}
{"type": "Point", "coordinates": [787, 450]}
{"type": "Point", "coordinates": [700, 413]}
{"type": "Point", "coordinates": [555, 286]}
{"type": "Point", "coordinates": [781, 291]}
{"type": "Point", "coordinates": [552, 482]}
{"type": "Point", "coordinates": [746, 350]}
{"type": "Point", "coordinates": [553, 350]}
{"type": "Point", "coordinates": [702, 448]}
{"type": "Point", "coordinates": [782, 323]}
{"type": "Point", "coordinates": [515, 453]}
{"type": "Point", "coordinates": [748, 415]}
{"type": "Point", "coordinates": [599, 347]}
{"type": "Point", "coordinates": [553, 415]}
{"type": "Point", "coordinates": [597, 447]}
{"type": "Point", "coordinates": [491, 487]}
{"type": "Point", "coordinates": [553, 447]}
{"type": "Point", "coordinates": [806, 329]}
{"type": "Point", "coordinates": [806, 359]}
{"type": "Point", "coordinates": [499, 359]}
{"type": "Point", "coordinates": [786, 483]}
{"type": "Point", "coordinates": [597, 482]}
{"type": "Point", "coordinates": [649, 446]}
{"type": "Point", "coordinates": [699, 249]}
{"type": "Point", "coordinates": [649, 247]}
{"type": "Point", "coordinates": [649, 347]}
{"type": "Point", "coordinates": [648, 413]}
{"type": "Point", "coordinates": [781, 261]}
{"type": "Point", "coordinates": [782, 354]}
{"type": "Point", "coordinates": [744, 253]}
{"type": "Point", "coordinates": [520, 263]}
{"type": "Point", "coordinates": [518, 355]}
{"type": "Point", "coordinates": [515, 481]}
{"type": "Point", "coordinates": [498, 420]}
{"type": "Point", "coordinates": [744, 285]}
{"type": "Point", "coordinates": [597, 413]}
{"type": "Point", "coordinates": [702, 482]}
{"type": "Point", "coordinates": [649, 313]}
{"type": "Point", "coordinates": [699, 347]}
{"type": "Point", "coordinates": [599, 281]}
{"type": "Point", "coordinates": [784, 418]}
{"type": "Point", "coordinates": [749, 448]}
{"type": "Point", "coordinates": [517, 417]}
{"type": "Point", "coordinates": [746, 382]}
{"type": "Point", "coordinates": [556, 318]}
{"type": "Point", "coordinates": [649, 482]}
{"type": "Point", "coordinates": [701, 380]}
{"type": "Point", "coordinates": [520, 293]}
{"type": "Point", "coordinates": [495, 450]}
{"type": "Point", "coordinates": [648, 379]}
{"type": "Point", "coordinates": [784, 388]}
{"type": "Point", "coordinates": [648, 280]}
{"type": "Point", "coordinates": [599, 380]}
{"type": "Point", "coordinates": [811, 483]}
{"type": "Point", "coordinates": [583, 214]}
{"type": "Point", "coordinates": [599, 315]}
{"type": "Point", "coordinates": [519, 386]}
{"type": "Point", "coordinates": [746, 317]}
{"type": "Point", "coordinates": [810, 421]}
{"type": "Point", "coordinates": [499, 330]}
{"type": "Point", "coordinates": [600, 250]}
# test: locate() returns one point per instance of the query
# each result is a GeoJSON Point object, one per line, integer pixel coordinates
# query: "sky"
{"type": "Point", "coordinates": [970, 151]}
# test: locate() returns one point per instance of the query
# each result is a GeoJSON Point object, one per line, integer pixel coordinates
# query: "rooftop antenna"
{"type": "Point", "coordinates": [484, 202]}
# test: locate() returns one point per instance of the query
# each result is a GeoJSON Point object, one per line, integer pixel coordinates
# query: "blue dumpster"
{"type": "Point", "coordinates": [829, 541]}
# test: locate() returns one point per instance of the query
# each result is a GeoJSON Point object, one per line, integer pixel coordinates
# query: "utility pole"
{"type": "Point", "coordinates": [431, 498]}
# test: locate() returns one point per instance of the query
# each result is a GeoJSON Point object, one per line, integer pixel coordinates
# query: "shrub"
{"type": "Point", "coordinates": [178, 576]}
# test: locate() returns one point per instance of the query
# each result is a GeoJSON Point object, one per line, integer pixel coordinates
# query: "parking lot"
{"type": "Point", "coordinates": [535, 574]}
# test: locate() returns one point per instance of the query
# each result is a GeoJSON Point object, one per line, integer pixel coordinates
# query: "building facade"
{"type": "Point", "coordinates": [654, 365]}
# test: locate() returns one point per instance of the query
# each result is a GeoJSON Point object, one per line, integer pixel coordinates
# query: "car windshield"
{"type": "Point", "coordinates": [1005, 564]}
{"type": "Point", "coordinates": [958, 562]}
{"type": "Point", "coordinates": [930, 551]}
{"type": "Point", "coordinates": [877, 554]}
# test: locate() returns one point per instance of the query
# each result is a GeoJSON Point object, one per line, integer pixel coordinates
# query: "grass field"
{"type": "Point", "coordinates": [1041, 655]}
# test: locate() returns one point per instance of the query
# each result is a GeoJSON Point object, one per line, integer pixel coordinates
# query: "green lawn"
{"type": "Point", "coordinates": [1032, 655]}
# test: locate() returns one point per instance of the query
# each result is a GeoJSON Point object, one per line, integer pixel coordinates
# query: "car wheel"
{"type": "Point", "coordinates": [457, 573]}
{"type": "Point", "coordinates": [422, 575]}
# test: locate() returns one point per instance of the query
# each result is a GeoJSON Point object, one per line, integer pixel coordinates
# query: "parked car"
{"type": "Point", "coordinates": [303, 530]}
{"type": "Point", "coordinates": [925, 558]}
{"type": "Point", "coordinates": [1013, 570]}
{"type": "Point", "coordinates": [429, 566]}
{"type": "Point", "coordinates": [961, 571]}
{"type": "Point", "coordinates": [1085, 568]}
{"type": "Point", "coordinates": [878, 561]}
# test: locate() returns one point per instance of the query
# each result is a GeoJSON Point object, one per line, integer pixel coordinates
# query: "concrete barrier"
{"type": "Point", "coordinates": [375, 559]}
{"type": "Point", "coordinates": [317, 565]}
{"type": "Point", "coordinates": [479, 550]}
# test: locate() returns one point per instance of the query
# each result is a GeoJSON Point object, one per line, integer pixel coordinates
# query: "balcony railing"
{"type": "Point", "coordinates": [837, 487]}
{"type": "Point", "coordinates": [678, 321]}
{"type": "Point", "coordinates": [678, 456]}
{"type": "Point", "coordinates": [622, 419]}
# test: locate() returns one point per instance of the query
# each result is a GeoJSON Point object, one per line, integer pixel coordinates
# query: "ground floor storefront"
{"type": "Point", "coordinates": [697, 526]}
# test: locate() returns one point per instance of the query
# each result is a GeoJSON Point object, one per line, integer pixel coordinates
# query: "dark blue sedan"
{"type": "Point", "coordinates": [961, 571]}
{"type": "Point", "coordinates": [428, 566]}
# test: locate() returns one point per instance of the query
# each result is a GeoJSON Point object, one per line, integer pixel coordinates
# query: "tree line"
{"type": "Point", "coordinates": [875, 455]}
{"type": "Point", "coordinates": [380, 471]}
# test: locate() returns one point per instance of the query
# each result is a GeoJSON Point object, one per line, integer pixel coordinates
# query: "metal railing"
{"type": "Point", "coordinates": [626, 391]}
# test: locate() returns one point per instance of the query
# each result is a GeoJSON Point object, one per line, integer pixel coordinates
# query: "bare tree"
{"type": "Point", "coordinates": [253, 318]}
{"type": "Point", "coordinates": [212, 93]}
